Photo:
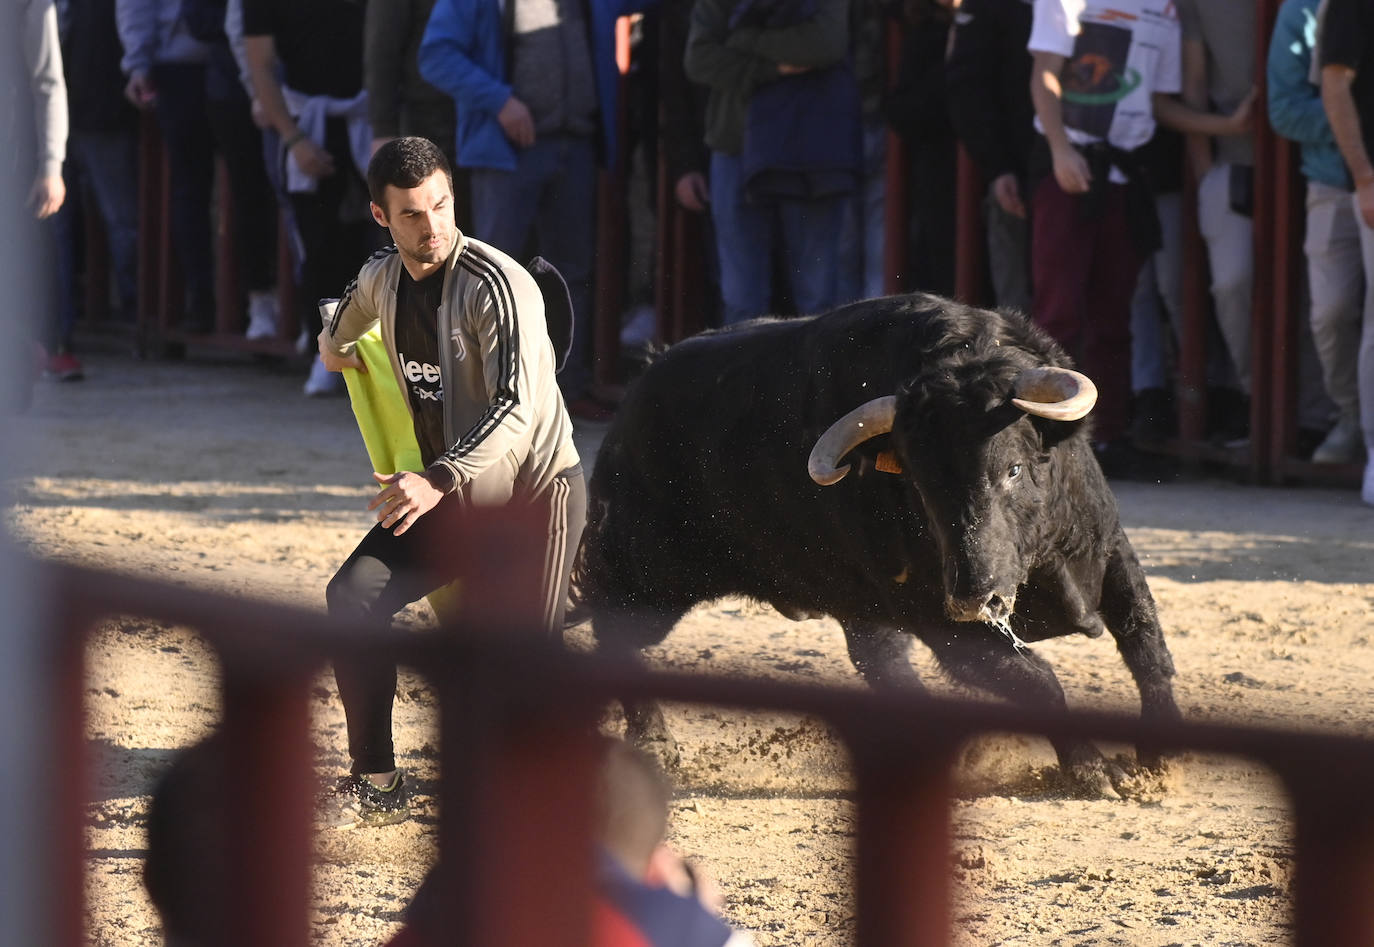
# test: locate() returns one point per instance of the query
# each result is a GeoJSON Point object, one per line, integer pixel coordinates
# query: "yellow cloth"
{"type": "Point", "coordinates": [388, 433]}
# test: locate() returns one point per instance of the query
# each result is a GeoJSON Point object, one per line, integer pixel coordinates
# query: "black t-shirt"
{"type": "Point", "coordinates": [319, 42]}
{"type": "Point", "coordinates": [417, 347]}
{"type": "Point", "coordinates": [1347, 39]}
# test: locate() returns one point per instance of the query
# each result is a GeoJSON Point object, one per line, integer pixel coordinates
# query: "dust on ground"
{"type": "Point", "coordinates": [216, 473]}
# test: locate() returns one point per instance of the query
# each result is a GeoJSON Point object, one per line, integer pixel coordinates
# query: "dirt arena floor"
{"type": "Point", "coordinates": [217, 473]}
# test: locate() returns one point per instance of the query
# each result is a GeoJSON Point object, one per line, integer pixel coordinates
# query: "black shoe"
{"type": "Point", "coordinates": [1155, 420]}
{"type": "Point", "coordinates": [1228, 416]}
{"type": "Point", "coordinates": [1121, 460]}
{"type": "Point", "coordinates": [360, 802]}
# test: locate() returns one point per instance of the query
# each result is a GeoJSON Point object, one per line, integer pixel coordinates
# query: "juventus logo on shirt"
{"type": "Point", "coordinates": [460, 351]}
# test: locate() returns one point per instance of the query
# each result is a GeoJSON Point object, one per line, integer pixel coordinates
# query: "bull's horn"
{"type": "Point", "coordinates": [865, 421]}
{"type": "Point", "coordinates": [1060, 394]}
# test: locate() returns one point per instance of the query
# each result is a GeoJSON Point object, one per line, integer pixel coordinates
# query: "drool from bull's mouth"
{"type": "Point", "coordinates": [1003, 625]}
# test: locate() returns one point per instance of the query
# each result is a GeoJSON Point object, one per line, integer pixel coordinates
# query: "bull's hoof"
{"type": "Point", "coordinates": [662, 747]}
{"type": "Point", "coordinates": [1093, 779]}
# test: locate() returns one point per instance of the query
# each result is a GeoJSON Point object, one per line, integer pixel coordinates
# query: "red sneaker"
{"type": "Point", "coordinates": [64, 367]}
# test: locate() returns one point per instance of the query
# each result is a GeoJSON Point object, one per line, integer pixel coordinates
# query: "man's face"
{"type": "Point", "coordinates": [420, 219]}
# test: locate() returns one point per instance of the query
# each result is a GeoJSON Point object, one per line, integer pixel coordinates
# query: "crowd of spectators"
{"type": "Point", "coordinates": [1085, 121]}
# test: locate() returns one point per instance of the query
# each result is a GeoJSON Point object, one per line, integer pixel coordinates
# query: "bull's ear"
{"type": "Point", "coordinates": [1054, 433]}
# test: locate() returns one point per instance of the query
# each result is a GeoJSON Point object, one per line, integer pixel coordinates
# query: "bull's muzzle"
{"type": "Point", "coordinates": [991, 607]}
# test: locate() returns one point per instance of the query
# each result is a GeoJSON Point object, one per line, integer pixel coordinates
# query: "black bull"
{"type": "Point", "coordinates": [975, 517]}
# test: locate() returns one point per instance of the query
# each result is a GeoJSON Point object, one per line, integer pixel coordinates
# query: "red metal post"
{"type": "Point", "coordinates": [1262, 322]}
{"type": "Point", "coordinates": [267, 736]}
{"type": "Point", "coordinates": [902, 862]}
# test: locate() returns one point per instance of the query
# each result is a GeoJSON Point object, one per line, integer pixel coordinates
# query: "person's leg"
{"type": "Point", "coordinates": [1061, 254]}
{"type": "Point", "coordinates": [1147, 332]}
{"type": "Point", "coordinates": [1365, 370]}
{"type": "Point", "coordinates": [1107, 326]}
{"type": "Point", "coordinates": [1008, 256]}
{"type": "Point", "coordinates": [811, 247]}
{"type": "Point", "coordinates": [1336, 284]}
{"type": "Point", "coordinates": [64, 227]}
{"type": "Point", "coordinates": [384, 574]}
{"type": "Point", "coordinates": [190, 165]}
{"type": "Point", "coordinates": [255, 206]}
{"type": "Point", "coordinates": [1230, 253]}
{"type": "Point", "coordinates": [336, 229]}
{"type": "Point", "coordinates": [566, 505]}
{"type": "Point", "coordinates": [744, 243]}
{"type": "Point", "coordinates": [873, 189]}
{"type": "Point", "coordinates": [109, 160]}
{"type": "Point", "coordinates": [565, 235]}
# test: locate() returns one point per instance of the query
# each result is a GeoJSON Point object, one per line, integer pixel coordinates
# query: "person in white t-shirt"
{"type": "Point", "coordinates": [1103, 73]}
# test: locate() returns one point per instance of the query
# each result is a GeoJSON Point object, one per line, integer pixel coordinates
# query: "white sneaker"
{"type": "Point", "coordinates": [1367, 493]}
{"type": "Point", "coordinates": [262, 316]}
{"type": "Point", "coordinates": [1341, 445]}
{"type": "Point", "coordinates": [323, 383]}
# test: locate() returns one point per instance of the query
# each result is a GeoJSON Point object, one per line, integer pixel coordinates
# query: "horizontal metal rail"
{"type": "Point", "coordinates": [517, 723]}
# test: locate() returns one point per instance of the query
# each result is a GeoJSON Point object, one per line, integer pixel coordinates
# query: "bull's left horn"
{"type": "Point", "coordinates": [1060, 394]}
{"type": "Point", "coordinates": [867, 420]}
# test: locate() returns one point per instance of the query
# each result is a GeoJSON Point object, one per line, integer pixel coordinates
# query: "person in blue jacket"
{"type": "Point", "coordinates": [1332, 246]}
{"type": "Point", "coordinates": [535, 87]}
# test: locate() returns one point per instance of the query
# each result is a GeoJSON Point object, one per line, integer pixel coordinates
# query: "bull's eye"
{"type": "Point", "coordinates": [1013, 471]}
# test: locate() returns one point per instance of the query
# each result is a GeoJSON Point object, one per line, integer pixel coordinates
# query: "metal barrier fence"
{"type": "Point", "coordinates": [520, 715]}
{"type": "Point", "coordinates": [1270, 456]}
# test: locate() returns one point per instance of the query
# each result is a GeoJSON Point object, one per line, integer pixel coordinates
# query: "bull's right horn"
{"type": "Point", "coordinates": [1060, 394]}
{"type": "Point", "coordinates": [865, 421]}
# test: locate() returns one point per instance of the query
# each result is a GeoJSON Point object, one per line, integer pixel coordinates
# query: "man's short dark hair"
{"type": "Point", "coordinates": [404, 163]}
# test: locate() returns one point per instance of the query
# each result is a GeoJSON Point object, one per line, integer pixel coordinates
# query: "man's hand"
{"type": "Point", "coordinates": [337, 363]}
{"type": "Point", "coordinates": [1071, 170]}
{"type": "Point", "coordinates": [404, 499]}
{"type": "Point", "coordinates": [141, 90]}
{"type": "Point", "coordinates": [1242, 120]}
{"type": "Point", "coordinates": [1006, 190]}
{"type": "Point", "coordinates": [517, 122]}
{"type": "Point", "coordinates": [692, 191]}
{"type": "Point", "coordinates": [47, 195]}
{"type": "Point", "coordinates": [313, 159]}
{"type": "Point", "coordinates": [1364, 194]}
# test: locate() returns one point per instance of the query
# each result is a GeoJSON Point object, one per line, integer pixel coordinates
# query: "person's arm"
{"type": "Point", "coordinates": [1198, 145]}
{"type": "Point", "coordinates": [1345, 125]}
{"type": "Point", "coordinates": [821, 40]}
{"type": "Point", "coordinates": [385, 29]}
{"type": "Point", "coordinates": [446, 64]}
{"type": "Point", "coordinates": [1295, 104]}
{"type": "Point", "coordinates": [1172, 113]}
{"type": "Point", "coordinates": [710, 62]}
{"type": "Point", "coordinates": [510, 363]}
{"type": "Point", "coordinates": [136, 21]}
{"type": "Point", "coordinates": [43, 57]}
{"type": "Point", "coordinates": [233, 30]}
{"type": "Point", "coordinates": [1070, 167]}
{"type": "Point", "coordinates": [972, 69]}
{"type": "Point", "coordinates": [261, 52]}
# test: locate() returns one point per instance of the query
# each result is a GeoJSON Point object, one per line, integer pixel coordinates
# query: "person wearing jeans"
{"type": "Point", "coordinates": [1347, 82]}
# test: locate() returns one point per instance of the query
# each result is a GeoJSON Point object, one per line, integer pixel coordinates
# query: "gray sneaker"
{"type": "Point", "coordinates": [1344, 444]}
{"type": "Point", "coordinates": [361, 802]}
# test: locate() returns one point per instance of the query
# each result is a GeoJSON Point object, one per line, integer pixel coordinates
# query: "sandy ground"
{"type": "Point", "coordinates": [216, 473]}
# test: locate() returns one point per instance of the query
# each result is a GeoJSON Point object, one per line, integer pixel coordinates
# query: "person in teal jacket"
{"type": "Point", "coordinates": [535, 87]}
{"type": "Point", "coordinates": [1334, 267]}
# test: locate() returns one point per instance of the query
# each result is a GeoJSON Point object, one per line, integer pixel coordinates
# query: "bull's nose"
{"type": "Point", "coordinates": [989, 606]}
